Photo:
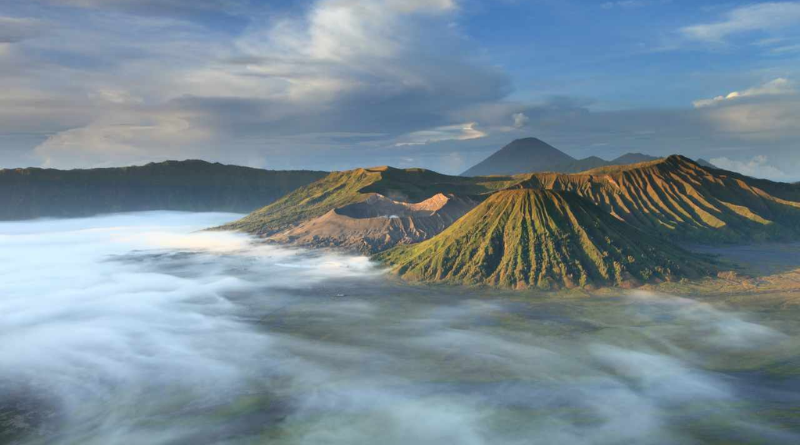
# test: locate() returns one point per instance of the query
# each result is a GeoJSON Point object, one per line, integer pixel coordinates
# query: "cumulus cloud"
{"type": "Point", "coordinates": [352, 67]}
{"type": "Point", "coordinates": [520, 120]}
{"type": "Point", "coordinates": [322, 86]}
{"type": "Point", "coordinates": [768, 16]}
{"type": "Point", "coordinates": [758, 166]}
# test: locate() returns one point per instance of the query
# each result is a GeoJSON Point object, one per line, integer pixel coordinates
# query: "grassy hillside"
{"type": "Point", "coordinates": [537, 238]}
{"type": "Point", "coordinates": [172, 185]}
{"type": "Point", "coordinates": [339, 189]}
{"type": "Point", "coordinates": [683, 201]}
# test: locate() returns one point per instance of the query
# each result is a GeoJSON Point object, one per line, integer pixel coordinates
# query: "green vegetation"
{"type": "Point", "coordinates": [172, 185]}
{"type": "Point", "coordinates": [537, 238]}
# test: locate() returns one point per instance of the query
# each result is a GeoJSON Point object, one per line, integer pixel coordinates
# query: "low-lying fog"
{"type": "Point", "coordinates": [136, 329]}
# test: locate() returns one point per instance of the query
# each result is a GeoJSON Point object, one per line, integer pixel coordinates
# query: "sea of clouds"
{"type": "Point", "coordinates": [138, 328]}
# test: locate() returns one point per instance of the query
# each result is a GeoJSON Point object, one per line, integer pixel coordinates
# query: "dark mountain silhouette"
{"type": "Point", "coordinates": [521, 156]}
{"type": "Point", "coordinates": [534, 155]}
{"type": "Point", "coordinates": [172, 185]}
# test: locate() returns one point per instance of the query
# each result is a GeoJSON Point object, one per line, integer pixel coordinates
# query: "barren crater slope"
{"type": "Point", "coordinates": [378, 223]}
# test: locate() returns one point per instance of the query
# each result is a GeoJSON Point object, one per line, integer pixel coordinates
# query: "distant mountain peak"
{"type": "Point", "coordinates": [532, 155]}
{"type": "Point", "coordinates": [520, 156]}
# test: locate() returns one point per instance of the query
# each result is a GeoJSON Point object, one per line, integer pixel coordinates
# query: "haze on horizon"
{"type": "Point", "coordinates": [440, 84]}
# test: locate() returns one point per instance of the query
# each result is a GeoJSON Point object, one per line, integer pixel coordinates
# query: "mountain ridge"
{"type": "Point", "coordinates": [191, 185]}
{"type": "Point", "coordinates": [339, 189]}
{"type": "Point", "coordinates": [641, 209]}
{"type": "Point", "coordinates": [680, 200]}
{"type": "Point", "coordinates": [674, 198]}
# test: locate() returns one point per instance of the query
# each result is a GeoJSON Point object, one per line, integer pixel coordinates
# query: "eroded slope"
{"type": "Point", "coordinates": [540, 238]}
{"type": "Point", "coordinates": [683, 201]}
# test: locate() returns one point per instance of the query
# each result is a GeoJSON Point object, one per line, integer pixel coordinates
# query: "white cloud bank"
{"type": "Point", "coordinates": [123, 138]}
{"type": "Point", "coordinates": [760, 114]}
{"type": "Point", "coordinates": [758, 167]}
{"type": "Point", "coordinates": [777, 87]}
{"type": "Point", "coordinates": [132, 328]}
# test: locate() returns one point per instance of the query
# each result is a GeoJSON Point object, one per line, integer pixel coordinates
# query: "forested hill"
{"type": "Point", "coordinates": [191, 185]}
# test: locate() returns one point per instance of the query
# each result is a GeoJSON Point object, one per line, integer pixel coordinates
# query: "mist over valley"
{"type": "Point", "coordinates": [137, 328]}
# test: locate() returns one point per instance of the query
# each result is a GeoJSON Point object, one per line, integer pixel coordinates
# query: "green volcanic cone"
{"type": "Point", "coordinates": [547, 239]}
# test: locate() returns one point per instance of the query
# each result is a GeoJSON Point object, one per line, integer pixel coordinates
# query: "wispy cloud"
{"type": "Point", "coordinates": [461, 132]}
{"type": "Point", "coordinates": [759, 17]}
{"type": "Point", "coordinates": [629, 4]}
{"type": "Point", "coordinates": [14, 29]}
{"type": "Point", "coordinates": [327, 83]}
{"type": "Point", "coordinates": [338, 66]}
{"type": "Point", "coordinates": [786, 49]}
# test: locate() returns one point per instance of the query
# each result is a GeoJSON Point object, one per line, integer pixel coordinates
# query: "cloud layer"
{"type": "Point", "coordinates": [335, 84]}
{"type": "Point", "coordinates": [757, 17]}
{"type": "Point", "coordinates": [135, 328]}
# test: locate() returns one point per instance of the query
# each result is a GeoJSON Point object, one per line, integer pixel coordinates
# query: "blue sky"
{"type": "Point", "coordinates": [336, 84]}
